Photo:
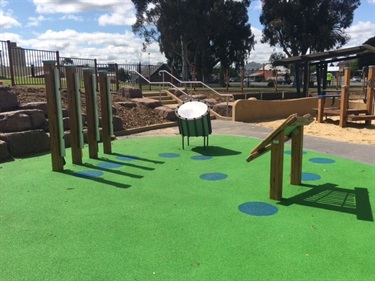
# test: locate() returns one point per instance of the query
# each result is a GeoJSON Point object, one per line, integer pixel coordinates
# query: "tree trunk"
{"type": "Point", "coordinates": [185, 72]}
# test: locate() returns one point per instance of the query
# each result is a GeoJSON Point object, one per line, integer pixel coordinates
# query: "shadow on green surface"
{"type": "Point", "coordinates": [330, 197]}
{"type": "Point", "coordinates": [117, 172]}
{"type": "Point", "coordinates": [126, 163]}
{"type": "Point", "coordinates": [215, 151]}
{"type": "Point", "coordinates": [138, 158]}
{"type": "Point", "coordinates": [97, 179]}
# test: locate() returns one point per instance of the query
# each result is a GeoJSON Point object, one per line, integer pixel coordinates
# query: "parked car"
{"type": "Point", "coordinates": [356, 79]}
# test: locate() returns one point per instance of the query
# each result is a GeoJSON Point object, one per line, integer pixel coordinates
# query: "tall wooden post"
{"type": "Point", "coordinates": [296, 157]}
{"type": "Point", "coordinates": [75, 116]}
{"type": "Point", "coordinates": [56, 129]}
{"type": "Point", "coordinates": [370, 92]}
{"type": "Point", "coordinates": [277, 160]}
{"type": "Point", "coordinates": [344, 103]}
{"type": "Point", "coordinates": [91, 112]}
{"type": "Point", "coordinates": [106, 109]}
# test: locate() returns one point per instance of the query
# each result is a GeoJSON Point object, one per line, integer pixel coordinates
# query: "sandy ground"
{"type": "Point", "coordinates": [353, 133]}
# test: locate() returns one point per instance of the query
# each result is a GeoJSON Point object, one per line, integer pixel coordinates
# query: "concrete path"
{"type": "Point", "coordinates": [357, 152]}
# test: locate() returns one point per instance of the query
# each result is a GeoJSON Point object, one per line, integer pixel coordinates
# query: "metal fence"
{"type": "Point", "coordinates": [25, 67]}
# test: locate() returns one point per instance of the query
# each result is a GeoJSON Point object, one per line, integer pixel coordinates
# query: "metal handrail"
{"type": "Point", "coordinates": [196, 82]}
{"type": "Point", "coordinates": [159, 83]}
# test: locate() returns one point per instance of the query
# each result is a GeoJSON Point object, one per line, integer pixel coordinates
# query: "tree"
{"type": "Point", "coordinates": [196, 33]}
{"type": "Point", "coordinates": [369, 59]}
{"type": "Point", "coordinates": [276, 56]}
{"type": "Point", "coordinates": [298, 26]}
{"type": "Point", "coordinates": [67, 61]}
{"type": "Point", "coordinates": [123, 75]}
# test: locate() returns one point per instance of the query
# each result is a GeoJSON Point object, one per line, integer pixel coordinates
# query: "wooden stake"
{"type": "Point", "coordinates": [54, 117]}
{"type": "Point", "coordinates": [91, 112]}
{"type": "Point", "coordinates": [106, 109]}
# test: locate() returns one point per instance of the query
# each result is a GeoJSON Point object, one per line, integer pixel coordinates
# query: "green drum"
{"type": "Point", "coordinates": [194, 120]}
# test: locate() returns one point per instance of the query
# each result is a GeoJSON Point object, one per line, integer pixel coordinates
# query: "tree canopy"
{"type": "Point", "coordinates": [196, 33]}
{"type": "Point", "coordinates": [298, 26]}
{"type": "Point", "coordinates": [369, 59]}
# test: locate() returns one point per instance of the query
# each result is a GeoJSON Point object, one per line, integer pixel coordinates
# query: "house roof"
{"type": "Point", "coordinates": [329, 56]}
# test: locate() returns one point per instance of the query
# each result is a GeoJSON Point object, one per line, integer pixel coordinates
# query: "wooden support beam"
{"type": "Point", "coordinates": [74, 114]}
{"type": "Point", "coordinates": [291, 128]}
{"type": "Point", "coordinates": [57, 143]}
{"type": "Point", "coordinates": [106, 110]}
{"type": "Point", "coordinates": [277, 160]}
{"type": "Point", "coordinates": [91, 112]}
{"type": "Point", "coordinates": [296, 157]}
{"type": "Point", "coordinates": [344, 104]}
{"type": "Point", "coordinates": [370, 92]}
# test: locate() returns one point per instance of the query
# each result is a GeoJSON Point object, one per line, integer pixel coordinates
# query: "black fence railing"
{"type": "Point", "coordinates": [25, 67]}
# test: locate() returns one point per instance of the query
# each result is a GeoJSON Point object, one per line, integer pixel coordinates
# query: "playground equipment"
{"type": "Point", "coordinates": [194, 120]}
{"type": "Point", "coordinates": [57, 141]}
{"type": "Point", "coordinates": [346, 114]}
{"type": "Point", "coordinates": [290, 129]}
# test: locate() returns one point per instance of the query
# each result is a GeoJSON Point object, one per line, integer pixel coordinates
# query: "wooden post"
{"type": "Point", "coordinates": [75, 117]}
{"type": "Point", "coordinates": [347, 76]}
{"type": "Point", "coordinates": [370, 92]}
{"type": "Point", "coordinates": [91, 112]}
{"type": "Point", "coordinates": [106, 108]}
{"type": "Point", "coordinates": [344, 103]}
{"type": "Point", "coordinates": [297, 150]}
{"type": "Point", "coordinates": [321, 102]}
{"type": "Point", "coordinates": [277, 159]}
{"type": "Point", "coordinates": [56, 130]}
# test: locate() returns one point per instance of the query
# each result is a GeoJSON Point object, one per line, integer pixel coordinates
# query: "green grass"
{"type": "Point", "coordinates": [154, 218]}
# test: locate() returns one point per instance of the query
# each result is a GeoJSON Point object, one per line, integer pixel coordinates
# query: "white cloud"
{"type": "Point", "coordinates": [78, 6]}
{"type": "Point", "coordinates": [7, 20]}
{"type": "Point", "coordinates": [105, 47]}
{"type": "Point", "coordinates": [117, 13]}
{"type": "Point", "coordinates": [124, 15]}
{"type": "Point", "coordinates": [360, 33]}
{"type": "Point", "coordinates": [35, 21]}
{"type": "Point", "coordinates": [71, 17]}
{"type": "Point", "coordinates": [261, 52]}
{"type": "Point", "coordinates": [371, 1]}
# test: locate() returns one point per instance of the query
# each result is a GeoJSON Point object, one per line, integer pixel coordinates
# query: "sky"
{"type": "Point", "coordinates": [102, 29]}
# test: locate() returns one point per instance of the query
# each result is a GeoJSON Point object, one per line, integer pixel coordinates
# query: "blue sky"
{"type": "Point", "coordinates": [102, 29]}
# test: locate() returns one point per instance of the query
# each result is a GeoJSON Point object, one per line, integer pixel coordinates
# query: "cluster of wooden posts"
{"type": "Point", "coordinates": [349, 114]}
{"type": "Point", "coordinates": [55, 116]}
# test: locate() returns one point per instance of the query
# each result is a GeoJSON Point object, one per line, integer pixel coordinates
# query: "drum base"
{"type": "Point", "coordinates": [195, 128]}
{"type": "Point", "coordinates": [205, 142]}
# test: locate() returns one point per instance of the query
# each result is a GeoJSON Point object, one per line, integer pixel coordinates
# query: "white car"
{"type": "Point", "coordinates": [356, 79]}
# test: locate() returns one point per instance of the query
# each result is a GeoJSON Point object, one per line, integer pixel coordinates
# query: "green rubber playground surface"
{"type": "Point", "coordinates": [152, 211]}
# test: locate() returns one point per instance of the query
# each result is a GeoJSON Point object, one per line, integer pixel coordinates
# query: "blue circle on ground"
{"type": "Point", "coordinates": [169, 155]}
{"type": "Point", "coordinates": [201, 157]}
{"type": "Point", "coordinates": [89, 174]}
{"type": "Point", "coordinates": [322, 160]}
{"type": "Point", "coordinates": [109, 165]}
{"type": "Point", "coordinates": [289, 152]}
{"type": "Point", "coordinates": [257, 209]}
{"type": "Point", "coordinates": [310, 177]}
{"type": "Point", "coordinates": [126, 158]}
{"type": "Point", "coordinates": [213, 176]}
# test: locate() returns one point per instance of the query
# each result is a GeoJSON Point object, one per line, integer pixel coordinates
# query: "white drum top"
{"type": "Point", "coordinates": [192, 109]}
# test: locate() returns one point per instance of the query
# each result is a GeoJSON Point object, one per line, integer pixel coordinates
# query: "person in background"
{"type": "Point", "coordinates": [329, 78]}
